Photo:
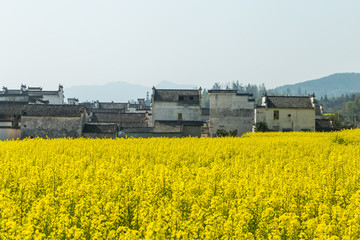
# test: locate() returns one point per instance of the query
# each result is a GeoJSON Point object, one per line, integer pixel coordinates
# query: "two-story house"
{"type": "Point", "coordinates": [177, 111]}
{"type": "Point", "coordinates": [287, 113]}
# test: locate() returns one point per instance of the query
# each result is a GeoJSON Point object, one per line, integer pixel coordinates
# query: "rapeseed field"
{"type": "Point", "coordinates": [259, 186]}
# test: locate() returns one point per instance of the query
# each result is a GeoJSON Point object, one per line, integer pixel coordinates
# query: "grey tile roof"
{"type": "Point", "coordinates": [40, 110]}
{"type": "Point", "coordinates": [174, 95]}
{"type": "Point", "coordinates": [10, 91]}
{"type": "Point", "coordinates": [222, 91]}
{"type": "Point", "coordinates": [180, 123]}
{"type": "Point", "coordinates": [123, 119]}
{"type": "Point", "coordinates": [112, 105]}
{"type": "Point", "coordinates": [100, 128]}
{"type": "Point", "coordinates": [288, 102]}
{"type": "Point", "coordinates": [12, 108]}
{"type": "Point", "coordinates": [32, 93]}
{"type": "Point", "coordinates": [43, 92]}
{"type": "Point", "coordinates": [230, 91]}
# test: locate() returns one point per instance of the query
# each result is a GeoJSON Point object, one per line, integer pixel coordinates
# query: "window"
{"type": "Point", "coordinates": [191, 98]}
{"type": "Point", "coordinates": [289, 115]}
{"type": "Point", "coordinates": [276, 114]}
{"type": "Point", "coordinates": [181, 98]}
{"type": "Point", "coordinates": [179, 116]}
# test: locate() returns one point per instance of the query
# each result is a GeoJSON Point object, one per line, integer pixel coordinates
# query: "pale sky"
{"type": "Point", "coordinates": [199, 42]}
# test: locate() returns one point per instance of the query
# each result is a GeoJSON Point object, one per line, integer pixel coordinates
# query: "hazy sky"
{"type": "Point", "coordinates": [197, 42]}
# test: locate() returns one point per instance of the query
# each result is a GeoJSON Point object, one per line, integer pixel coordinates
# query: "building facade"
{"type": "Point", "coordinates": [100, 130]}
{"type": "Point", "coordinates": [176, 111]}
{"type": "Point", "coordinates": [230, 111]}
{"type": "Point", "coordinates": [53, 121]}
{"type": "Point", "coordinates": [10, 119]}
{"type": "Point", "coordinates": [32, 95]}
{"type": "Point", "coordinates": [287, 113]}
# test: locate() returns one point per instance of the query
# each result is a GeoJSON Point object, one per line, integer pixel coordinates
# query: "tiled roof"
{"type": "Point", "coordinates": [112, 105]}
{"type": "Point", "coordinates": [43, 92]}
{"type": "Point", "coordinates": [288, 102]}
{"type": "Point", "coordinates": [100, 128]}
{"type": "Point", "coordinates": [39, 110]}
{"type": "Point", "coordinates": [222, 91]}
{"type": "Point", "coordinates": [123, 119]}
{"type": "Point", "coordinates": [175, 95]}
{"type": "Point", "coordinates": [230, 91]}
{"type": "Point", "coordinates": [180, 123]}
{"type": "Point", "coordinates": [12, 108]}
{"type": "Point", "coordinates": [32, 93]}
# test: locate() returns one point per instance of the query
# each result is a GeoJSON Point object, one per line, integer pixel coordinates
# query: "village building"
{"type": "Point", "coordinates": [322, 123]}
{"type": "Point", "coordinates": [230, 111]}
{"type": "Point", "coordinates": [128, 116]}
{"type": "Point", "coordinates": [32, 95]}
{"type": "Point", "coordinates": [139, 106]}
{"type": "Point", "coordinates": [176, 112]}
{"type": "Point", "coordinates": [287, 113]}
{"type": "Point", "coordinates": [10, 119]}
{"type": "Point", "coordinates": [124, 120]}
{"type": "Point", "coordinates": [53, 121]}
{"type": "Point", "coordinates": [73, 101]}
{"type": "Point", "coordinates": [205, 118]}
{"type": "Point", "coordinates": [100, 130]}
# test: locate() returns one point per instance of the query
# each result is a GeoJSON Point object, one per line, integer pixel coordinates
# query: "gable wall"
{"type": "Point", "coordinates": [229, 112]}
{"type": "Point", "coordinates": [53, 127]}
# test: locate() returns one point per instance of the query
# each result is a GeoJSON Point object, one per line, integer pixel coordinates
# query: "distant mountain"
{"type": "Point", "coordinates": [116, 91]}
{"type": "Point", "coordinates": [332, 86]}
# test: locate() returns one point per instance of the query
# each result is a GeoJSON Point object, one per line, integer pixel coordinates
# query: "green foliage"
{"type": "Point", "coordinates": [205, 102]}
{"type": "Point", "coordinates": [336, 120]}
{"type": "Point", "coordinates": [233, 133]}
{"type": "Point", "coordinates": [222, 133]}
{"type": "Point", "coordinates": [346, 107]}
{"type": "Point", "coordinates": [261, 127]}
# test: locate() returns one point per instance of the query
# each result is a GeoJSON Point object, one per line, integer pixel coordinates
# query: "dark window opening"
{"type": "Point", "coordinates": [191, 98]}
{"type": "Point", "coordinates": [181, 98]}
{"type": "Point", "coordinates": [179, 116]}
{"type": "Point", "coordinates": [289, 115]}
{"type": "Point", "coordinates": [276, 114]}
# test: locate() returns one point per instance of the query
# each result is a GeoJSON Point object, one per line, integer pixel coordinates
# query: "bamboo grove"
{"type": "Point", "coordinates": [259, 186]}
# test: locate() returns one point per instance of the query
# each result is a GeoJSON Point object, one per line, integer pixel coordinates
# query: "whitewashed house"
{"type": "Point", "coordinates": [10, 119]}
{"type": "Point", "coordinates": [177, 111]}
{"type": "Point", "coordinates": [32, 95]}
{"type": "Point", "coordinates": [287, 113]}
{"type": "Point", "coordinates": [53, 121]}
{"type": "Point", "coordinates": [230, 111]}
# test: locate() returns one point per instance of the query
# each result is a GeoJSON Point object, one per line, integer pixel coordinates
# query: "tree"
{"type": "Point", "coordinates": [216, 86]}
{"type": "Point", "coordinates": [336, 120]}
{"type": "Point", "coordinates": [222, 133]}
{"type": "Point", "coordinates": [261, 127]}
{"type": "Point", "coordinates": [205, 101]}
{"type": "Point", "coordinates": [299, 92]}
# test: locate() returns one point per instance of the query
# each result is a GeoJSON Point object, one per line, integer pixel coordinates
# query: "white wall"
{"type": "Point", "coordinates": [299, 118]}
{"type": "Point", "coordinates": [54, 99]}
{"type": "Point", "coordinates": [7, 98]}
{"type": "Point", "coordinates": [229, 112]}
{"type": "Point", "coordinates": [169, 111]}
{"type": "Point", "coordinates": [6, 132]}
